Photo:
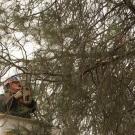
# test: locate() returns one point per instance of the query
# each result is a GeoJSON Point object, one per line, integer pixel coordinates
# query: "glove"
{"type": "Point", "coordinates": [18, 94]}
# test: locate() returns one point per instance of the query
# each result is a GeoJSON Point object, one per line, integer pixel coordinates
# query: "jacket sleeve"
{"type": "Point", "coordinates": [10, 102]}
{"type": "Point", "coordinates": [6, 103]}
{"type": "Point", "coordinates": [2, 104]}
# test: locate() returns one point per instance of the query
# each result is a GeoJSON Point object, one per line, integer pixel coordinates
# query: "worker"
{"type": "Point", "coordinates": [17, 100]}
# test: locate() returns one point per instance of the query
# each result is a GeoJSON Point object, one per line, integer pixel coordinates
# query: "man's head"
{"type": "Point", "coordinates": [13, 85]}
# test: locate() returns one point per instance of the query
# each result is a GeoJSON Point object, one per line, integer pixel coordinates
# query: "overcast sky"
{"type": "Point", "coordinates": [29, 46]}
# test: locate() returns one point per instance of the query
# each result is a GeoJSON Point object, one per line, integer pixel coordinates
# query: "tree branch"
{"type": "Point", "coordinates": [129, 4]}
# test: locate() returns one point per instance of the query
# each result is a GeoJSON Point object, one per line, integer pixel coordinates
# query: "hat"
{"type": "Point", "coordinates": [10, 80]}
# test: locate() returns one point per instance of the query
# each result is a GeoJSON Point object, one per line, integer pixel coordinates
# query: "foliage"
{"type": "Point", "coordinates": [83, 73]}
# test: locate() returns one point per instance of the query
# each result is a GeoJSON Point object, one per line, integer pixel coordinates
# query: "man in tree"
{"type": "Point", "coordinates": [17, 100]}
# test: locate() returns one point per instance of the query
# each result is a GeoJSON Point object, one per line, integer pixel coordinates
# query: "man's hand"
{"type": "Point", "coordinates": [18, 94]}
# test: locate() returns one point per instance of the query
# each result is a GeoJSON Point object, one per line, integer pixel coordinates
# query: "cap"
{"type": "Point", "coordinates": [10, 80]}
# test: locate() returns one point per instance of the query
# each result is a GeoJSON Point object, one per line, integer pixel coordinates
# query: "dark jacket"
{"type": "Point", "coordinates": [14, 107]}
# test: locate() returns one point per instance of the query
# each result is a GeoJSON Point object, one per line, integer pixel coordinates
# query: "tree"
{"type": "Point", "coordinates": [83, 73]}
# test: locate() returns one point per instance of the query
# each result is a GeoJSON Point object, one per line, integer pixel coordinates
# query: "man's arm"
{"type": "Point", "coordinates": [2, 104]}
{"type": "Point", "coordinates": [11, 100]}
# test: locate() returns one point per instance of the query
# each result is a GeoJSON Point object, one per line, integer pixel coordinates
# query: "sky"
{"type": "Point", "coordinates": [13, 71]}
{"type": "Point", "coordinates": [28, 47]}
{"type": "Point", "coordinates": [16, 52]}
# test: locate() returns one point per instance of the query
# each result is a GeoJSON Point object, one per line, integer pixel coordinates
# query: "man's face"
{"type": "Point", "coordinates": [15, 86]}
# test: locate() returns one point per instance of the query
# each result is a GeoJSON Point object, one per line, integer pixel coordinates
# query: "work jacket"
{"type": "Point", "coordinates": [12, 106]}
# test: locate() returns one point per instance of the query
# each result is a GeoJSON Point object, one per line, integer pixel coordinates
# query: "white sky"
{"type": "Point", "coordinates": [17, 53]}
{"type": "Point", "coordinates": [29, 46]}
